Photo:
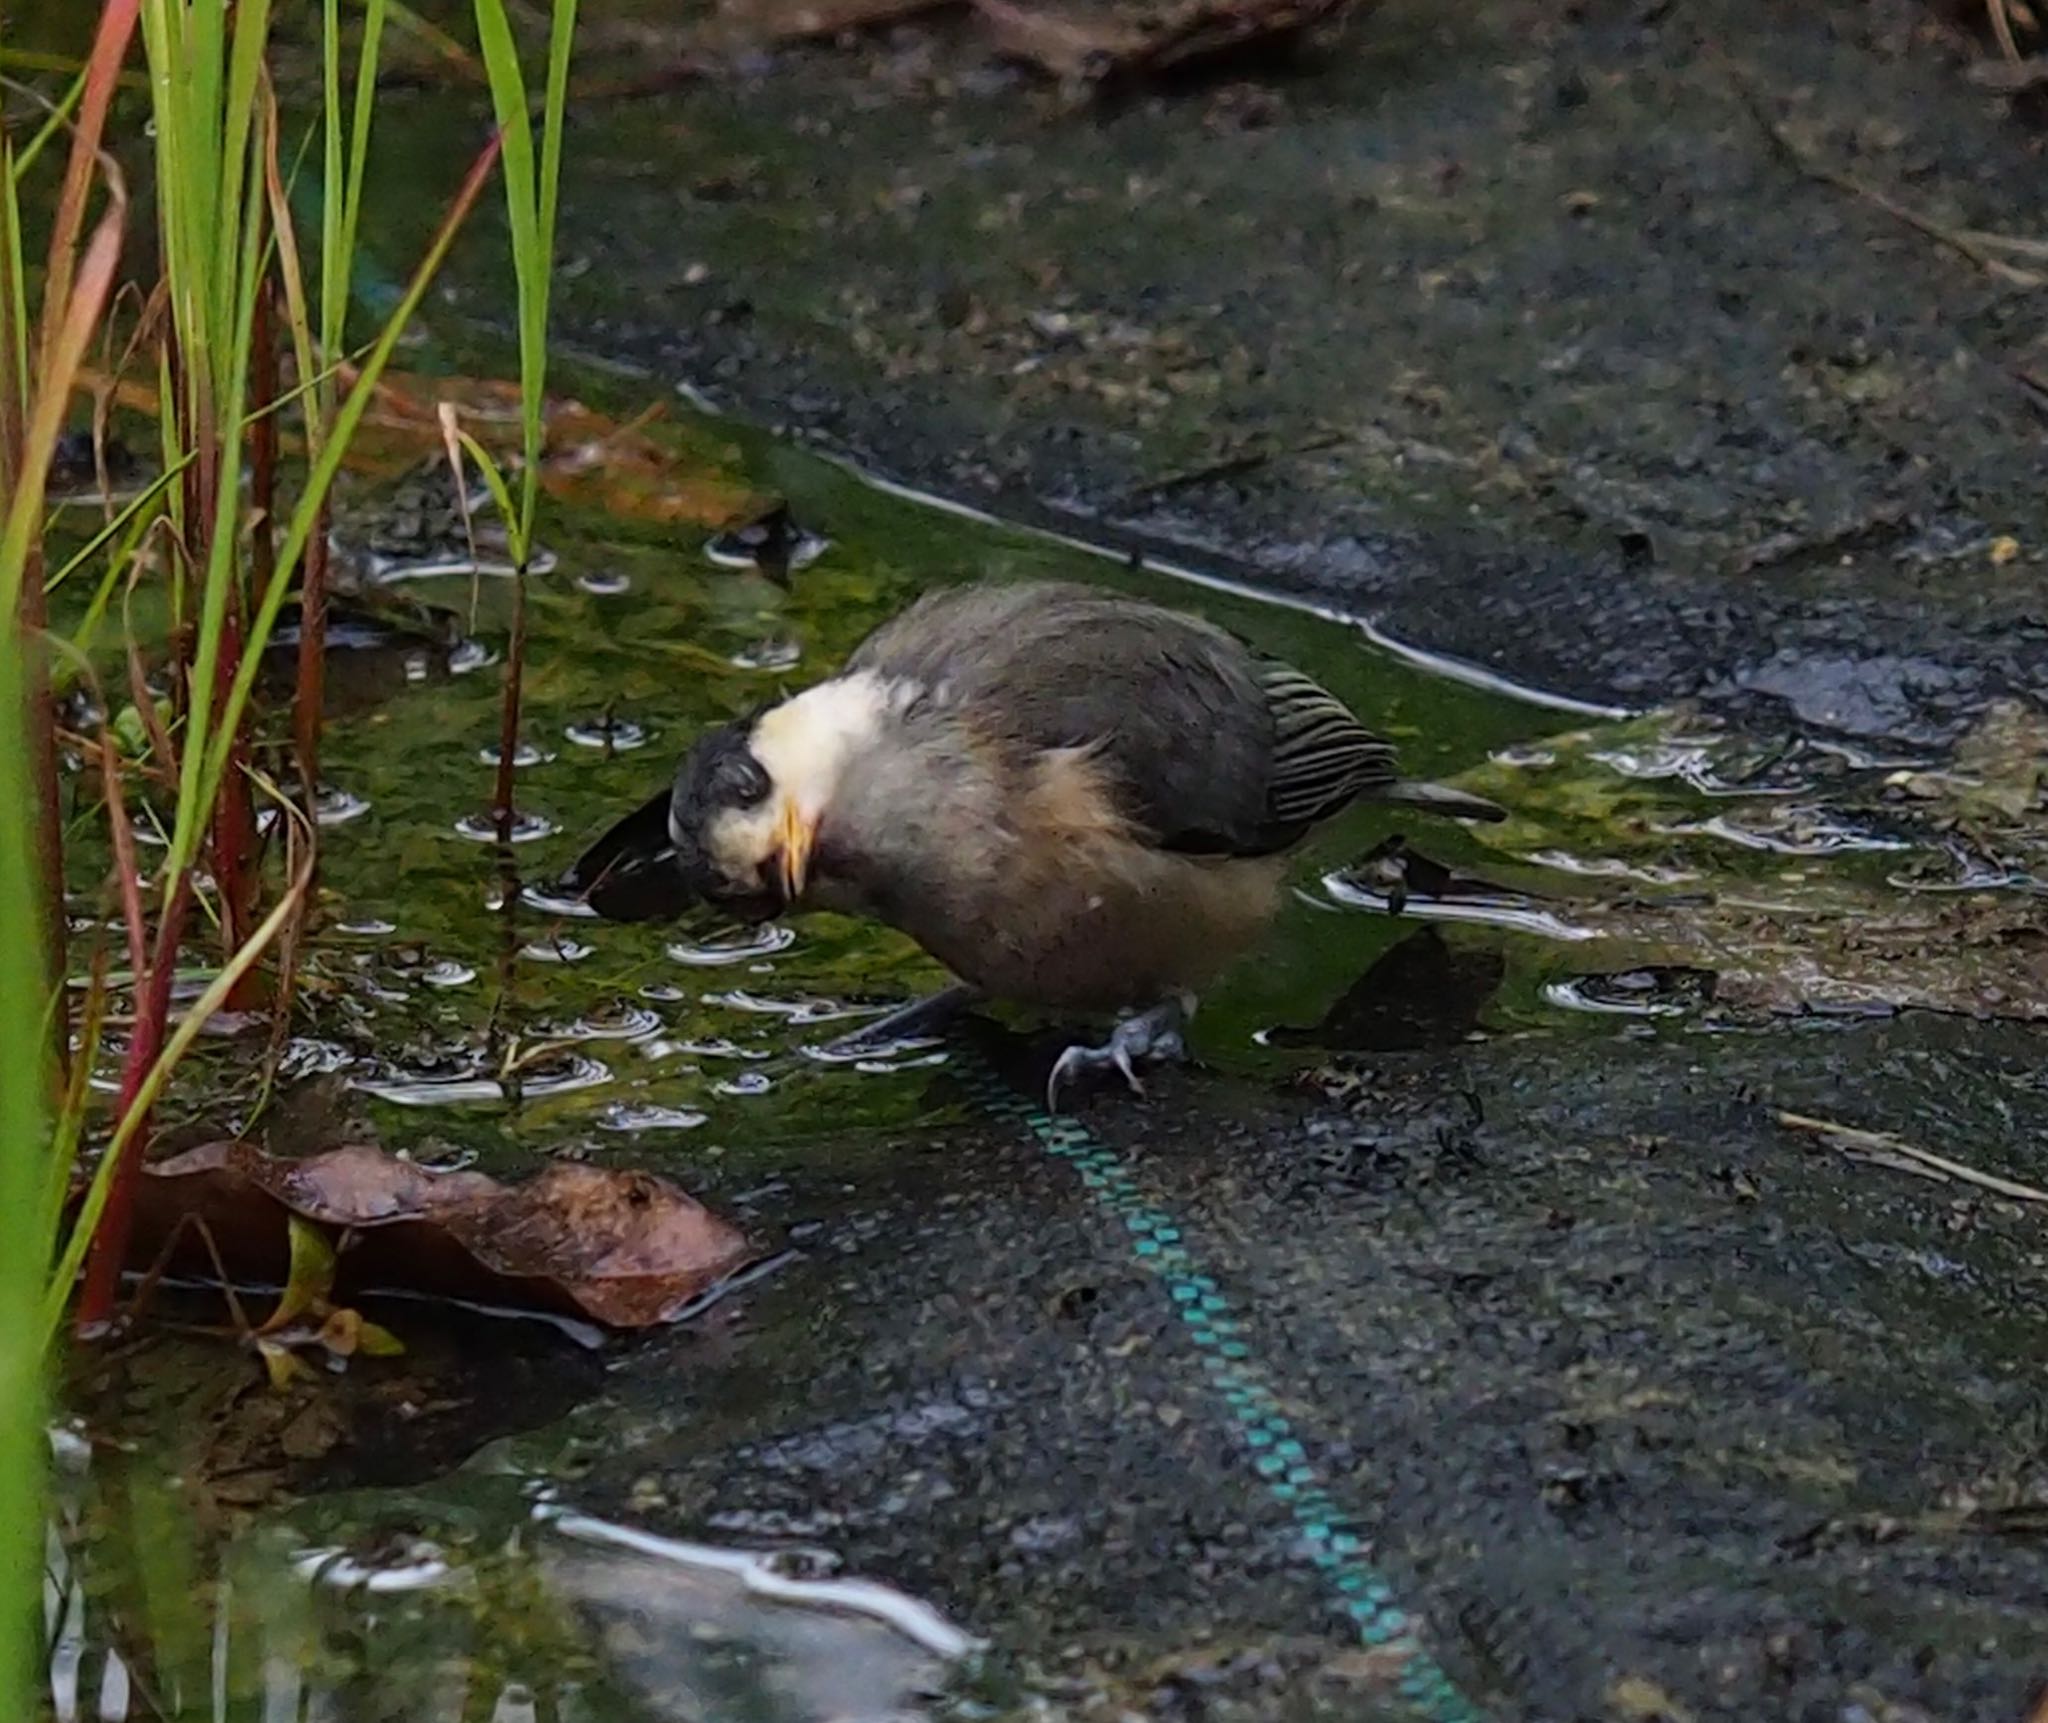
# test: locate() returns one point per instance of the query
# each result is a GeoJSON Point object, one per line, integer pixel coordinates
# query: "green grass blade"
{"type": "Point", "coordinates": [22, 1139]}
{"type": "Point", "coordinates": [59, 118]}
{"type": "Point", "coordinates": [358, 158]}
{"type": "Point", "coordinates": [529, 263]}
{"type": "Point", "coordinates": [320, 475]}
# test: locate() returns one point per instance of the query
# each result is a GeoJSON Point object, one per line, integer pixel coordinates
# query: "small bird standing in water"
{"type": "Point", "coordinates": [1070, 798]}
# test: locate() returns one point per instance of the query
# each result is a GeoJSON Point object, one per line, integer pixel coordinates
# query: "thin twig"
{"type": "Point", "coordinates": [2001, 27]}
{"type": "Point", "coordinates": [1855, 1138]}
{"type": "Point", "coordinates": [1978, 246]}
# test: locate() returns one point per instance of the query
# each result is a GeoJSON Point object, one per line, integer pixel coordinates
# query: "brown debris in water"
{"type": "Point", "coordinates": [1095, 44]}
{"type": "Point", "coordinates": [622, 1249]}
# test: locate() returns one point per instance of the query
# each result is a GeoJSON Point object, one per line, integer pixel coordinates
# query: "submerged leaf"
{"type": "Point", "coordinates": [309, 1286]}
{"type": "Point", "coordinates": [623, 1249]}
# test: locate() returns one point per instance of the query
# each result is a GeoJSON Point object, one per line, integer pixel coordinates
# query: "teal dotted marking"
{"type": "Point", "coordinates": [1278, 1455]}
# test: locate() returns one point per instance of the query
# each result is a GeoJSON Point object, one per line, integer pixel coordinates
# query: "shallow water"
{"type": "Point", "coordinates": [1632, 842]}
{"type": "Point", "coordinates": [1658, 877]}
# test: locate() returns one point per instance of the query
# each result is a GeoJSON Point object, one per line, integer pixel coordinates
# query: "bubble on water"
{"type": "Point", "coordinates": [526, 828]}
{"type": "Point", "coordinates": [709, 1047]}
{"type": "Point", "coordinates": [632, 1117]}
{"type": "Point", "coordinates": [774, 655]}
{"type": "Point", "coordinates": [605, 583]}
{"type": "Point", "coordinates": [367, 927]}
{"type": "Point", "coordinates": [304, 1056]}
{"type": "Point", "coordinates": [460, 1080]}
{"type": "Point", "coordinates": [763, 941]}
{"type": "Point", "coordinates": [1714, 765]}
{"type": "Point", "coordinates": [411, 1564]}
{"type": "Point", "coordinates": [744, 1083]}
{"type": "Point", "coordinates": [899, 1053]}
{"type": "Point", "coordinates": [884, 1067]}
{"type": "Point", "coordinates": [560, 949]}
{"type": "Point", "coordinates": [619, 735]}
{"type": "Point", "coordinates": [543, 899]}
{"type": "Point", "coordinates": [1524, 756]}
{"type": "Point", "coordinates": [1960, 868]}
{"type": "Point", "coordinates": [772, 541]}
{"type": "Point", "coordinates": [447, 973]}
{"type": "Point", "coordinates": [1789, 831]}
{"type": "Point", "coordinates": [470, 655]}
{"type": "Point", "coordinates": [1652, 991]}
{"type": "Point", "coordinates": [526, 754]}
{"type": "Point", "coordinates": [1611, 867]}
{"type": "Point", "coordinates": [1503, 909]}
{"type": "Point", "coordinates": [793, 1010]}
{"type": "Point", "coordinates": [662, 993]}
{"type": "Point", "coordinates": [621, 1022]}
{"type": "Point", "coordinates": [332, 806]}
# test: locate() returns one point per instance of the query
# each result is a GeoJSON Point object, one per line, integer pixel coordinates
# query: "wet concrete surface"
{"type": "Point", "coordinates": [1628, 1390]}
{"type": "Point", "coordinates": [1534, 331]}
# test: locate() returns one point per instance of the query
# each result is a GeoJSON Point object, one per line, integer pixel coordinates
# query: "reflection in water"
{"type": "Point", "coordinates": [1421, 994]}
{"type": "Point", "coordinates": [493, 1611]}
{"type": "Point", "coordinates": [1654, 991]}
{"type": "Point", "coordinates": [743, 946]}
{"type": "Point", "coordinates": [524, 829]}
{"type": "Point", "coordinates": [1486, 907]}
{"type": "Point", "coordinates": [460, 1078]}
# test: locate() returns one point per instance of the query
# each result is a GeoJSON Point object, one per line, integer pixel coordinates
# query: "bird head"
{"type": "Point", "coordinates": [738, 837]}
{"type": "Point", "coordinates": [749, 797]}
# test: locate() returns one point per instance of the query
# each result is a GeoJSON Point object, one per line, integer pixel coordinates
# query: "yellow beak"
{"type": "Point", "coordinates": [795, 836]}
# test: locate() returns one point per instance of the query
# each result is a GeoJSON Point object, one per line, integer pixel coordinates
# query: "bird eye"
{"type": "Point", "coordinates": [744, 783]}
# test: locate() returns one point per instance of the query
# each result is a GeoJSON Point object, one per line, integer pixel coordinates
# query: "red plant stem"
{"type": "Point", "coordinates": [310, 696]}
{"type": "Point", "coordinates": [508, 720]}
{"type": "Point", "coordinates": [127, 871]}
{"type": "Point", "coordinates": [152, 1017]}
{"type": "Point", "coordinates": [46, 785]}
{"type": "Point", "coordinates": [234, 829]}
{"type": "Point", "coordinates": [263, 445]}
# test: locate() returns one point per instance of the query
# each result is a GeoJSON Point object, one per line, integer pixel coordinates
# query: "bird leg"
{"type": "Point", "coordinates": [907, 1022]}
{"type": "Point", "coordinates": [1149, 1036]}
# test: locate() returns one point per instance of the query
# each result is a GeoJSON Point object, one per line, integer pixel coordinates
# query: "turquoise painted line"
{"type": "Point", "coordinates": [1278, 1454]}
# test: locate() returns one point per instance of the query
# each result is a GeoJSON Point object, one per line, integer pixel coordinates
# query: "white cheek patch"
{"type": "Point", "coordinates": [741, 840]}
{"type": "Point", "coordinates": [803, 744]}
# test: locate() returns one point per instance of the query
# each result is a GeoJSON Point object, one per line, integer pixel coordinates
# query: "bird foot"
{"type": "Point", "coordinates": [1150, 1036]}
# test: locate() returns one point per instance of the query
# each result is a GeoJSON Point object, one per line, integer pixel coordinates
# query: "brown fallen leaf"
{"type": "Point", "coordinates": [776, 21]}
{"type": "Point", "coordinates": [623, 1249]}
{"type": "Point", "coordinates": [1095, 44]}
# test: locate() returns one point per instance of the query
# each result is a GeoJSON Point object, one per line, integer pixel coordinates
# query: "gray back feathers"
{"type": "Point", "coordinates": [1211, 749]}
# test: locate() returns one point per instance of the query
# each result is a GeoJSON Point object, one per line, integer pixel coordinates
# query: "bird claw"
{"type": "Point", "coordinates": [1153, 1036]}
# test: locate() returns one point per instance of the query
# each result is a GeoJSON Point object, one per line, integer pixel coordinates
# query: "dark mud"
{"type": "Point", "coordinates": [1627, 1390]}
{"type": "Point", "coordinates": [1515, 326]}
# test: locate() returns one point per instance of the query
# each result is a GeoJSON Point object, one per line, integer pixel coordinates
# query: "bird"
{"type": "Point", "coordinates": [1073, 799]}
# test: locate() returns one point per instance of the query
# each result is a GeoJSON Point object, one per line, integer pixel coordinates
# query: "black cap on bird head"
{"type": "Point", "coordinates": [721, 794]}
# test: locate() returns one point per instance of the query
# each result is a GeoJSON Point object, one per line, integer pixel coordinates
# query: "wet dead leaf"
{"type": "Point", "coordinates": [626, 1250]}
{"type": "Point", "coordinates": [767, 22]}
{"type": "Point", "coordinates": [1095, 44]}
{"type": "Point", "coordinates": [639, 469]}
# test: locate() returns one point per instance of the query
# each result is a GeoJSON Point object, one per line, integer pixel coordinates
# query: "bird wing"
{"type": "Point", "coordinates": [1323, 757]}
{"type": "Point", "coordinates": [1208, 749]}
